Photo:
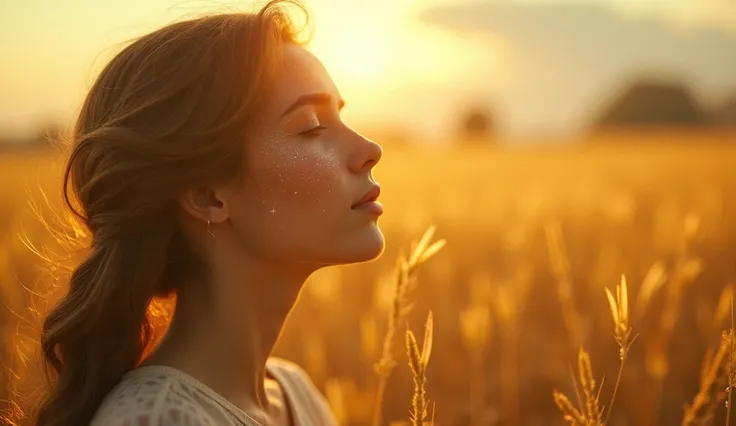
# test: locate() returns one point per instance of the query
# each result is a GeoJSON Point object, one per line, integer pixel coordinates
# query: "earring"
{"type": "Point", "coordinates": [209, 228]}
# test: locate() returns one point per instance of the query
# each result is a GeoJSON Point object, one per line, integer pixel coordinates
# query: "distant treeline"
{"type": "Point", "coordinates": [642, 104]}
{"type": "Point", "coordinates": [653, 103]}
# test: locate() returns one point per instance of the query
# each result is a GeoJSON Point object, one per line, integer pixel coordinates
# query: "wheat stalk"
{"type": "Point", "coordinates": [475, 326]}
{"type": "Point", "coordinates": [587, 383]}
{"type": "Point", "coordinates": [592, 415]}
{"type": "Point", "coordinates": [560, 265]}
{"type": "Point", "coordinates": [717, 369]}
{"type": "Point", "coordinates": [730, 341]}
{"type": "Point", "coordinates": [700, 412]}
{"type": "Point", "coordinates": [418, 362]}
{"type": "Point", "coordinates": [654, 280]}
{"type": "Point", "coordinates": [622, 331]}
{"type": "Point", "coordinates": [686, 270]}
{"type": "Point", "coordinates": [569, 412]}
{"type": "Point", "coordinates": [404, 279]}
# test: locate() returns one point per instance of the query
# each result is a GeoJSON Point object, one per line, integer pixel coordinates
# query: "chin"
{"type": "Point", "coordinates": [367, 245]}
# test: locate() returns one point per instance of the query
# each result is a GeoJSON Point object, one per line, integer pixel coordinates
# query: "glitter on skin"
{"type": "Point", "coordinates": [313, 175]}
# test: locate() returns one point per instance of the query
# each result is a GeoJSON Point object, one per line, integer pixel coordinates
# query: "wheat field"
{"type": "Point", "coordinates": [534, 236]}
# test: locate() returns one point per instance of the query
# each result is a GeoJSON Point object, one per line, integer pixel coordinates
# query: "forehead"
{"type": "Point", "coordinates": [300, 73]}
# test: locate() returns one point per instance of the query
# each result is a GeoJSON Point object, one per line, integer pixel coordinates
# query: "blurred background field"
{"type": "Point", "coordinates": [624, 205]}
{"type": "Point", "coordinates": [555, 145]}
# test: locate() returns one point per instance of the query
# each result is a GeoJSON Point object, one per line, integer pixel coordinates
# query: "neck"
{"type": "Point", "coordinates": [224, 331]}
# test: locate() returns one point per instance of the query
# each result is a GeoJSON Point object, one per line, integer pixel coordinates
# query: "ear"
{"type": "Point", "coordinates": [203, 204]}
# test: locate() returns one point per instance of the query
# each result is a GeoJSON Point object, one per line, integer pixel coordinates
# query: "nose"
{"type": "Point", "coordinates": [366, 154]}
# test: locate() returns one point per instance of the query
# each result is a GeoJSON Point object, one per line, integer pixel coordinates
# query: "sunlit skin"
{"type": "Point", "coordinates": [288, 216]}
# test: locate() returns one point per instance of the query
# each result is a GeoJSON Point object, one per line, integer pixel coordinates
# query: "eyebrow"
{"type": "Point", "coordinates": [313, 99]}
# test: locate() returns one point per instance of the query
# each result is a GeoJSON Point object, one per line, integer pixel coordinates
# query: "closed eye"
{"type": "Point", "coordinates": [313, 99]}
{"type": "Point", "coordinates": [313, 132]}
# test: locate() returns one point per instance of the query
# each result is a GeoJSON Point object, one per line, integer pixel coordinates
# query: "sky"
{"type": "Point", "coordinates": [542, 66]}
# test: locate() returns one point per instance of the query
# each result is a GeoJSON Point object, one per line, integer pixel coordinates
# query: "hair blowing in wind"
{"type": "Point", "coordinates": [168, 112]}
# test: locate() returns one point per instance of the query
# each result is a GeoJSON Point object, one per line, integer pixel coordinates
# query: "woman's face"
{"type": "Point", "coordinates": [305, 170]}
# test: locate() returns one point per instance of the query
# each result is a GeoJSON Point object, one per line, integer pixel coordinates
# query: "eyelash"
{"type": "Point", "coordinates": [313, 132]}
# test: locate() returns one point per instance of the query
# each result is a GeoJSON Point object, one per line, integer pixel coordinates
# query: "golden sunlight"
{"type": "Point", "coordinates": [356, 54]}
{"type": "Point", "coordinates": [356, 41]}
{"type": "Point", "coordinates": [385, 46]}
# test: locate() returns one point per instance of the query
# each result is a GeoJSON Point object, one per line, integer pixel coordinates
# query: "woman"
{"type": "Point", "coordinates": [209, 160]}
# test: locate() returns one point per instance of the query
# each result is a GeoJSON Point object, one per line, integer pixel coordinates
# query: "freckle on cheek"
{"type": "Point", "coordinates": [302, 172]}
{"type": "Point", "coordinates": [318, 177]}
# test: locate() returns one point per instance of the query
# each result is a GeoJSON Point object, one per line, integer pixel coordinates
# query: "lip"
{"type": "Point", "coordinates": [372, 207]}
{"type": "Point", "coordinates": [368, 200]}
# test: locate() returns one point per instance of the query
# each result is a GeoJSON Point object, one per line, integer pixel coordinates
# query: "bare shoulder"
{"type": "Point", "coordinates": [151, 399]}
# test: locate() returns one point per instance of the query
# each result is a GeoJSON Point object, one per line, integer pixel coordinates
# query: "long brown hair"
{"type": "Point", "coordinates": [169, 112]}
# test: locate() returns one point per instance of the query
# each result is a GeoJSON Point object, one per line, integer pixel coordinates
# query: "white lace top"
{"type": "Point", "coordinates": [164, 396]}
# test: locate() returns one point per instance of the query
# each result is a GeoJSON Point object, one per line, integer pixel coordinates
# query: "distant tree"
{"type": "Point", "coordinates": [652, 103]}
{"type": "Point", "coordinates": [476, 125]}
{"type": "Point", "coordinates": [725, 115]}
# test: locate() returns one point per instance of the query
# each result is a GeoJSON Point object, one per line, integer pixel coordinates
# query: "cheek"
{"type": "Point", "coordinates": [301, 178]}
{"type": "Point", "coordinates": [310, 176]}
